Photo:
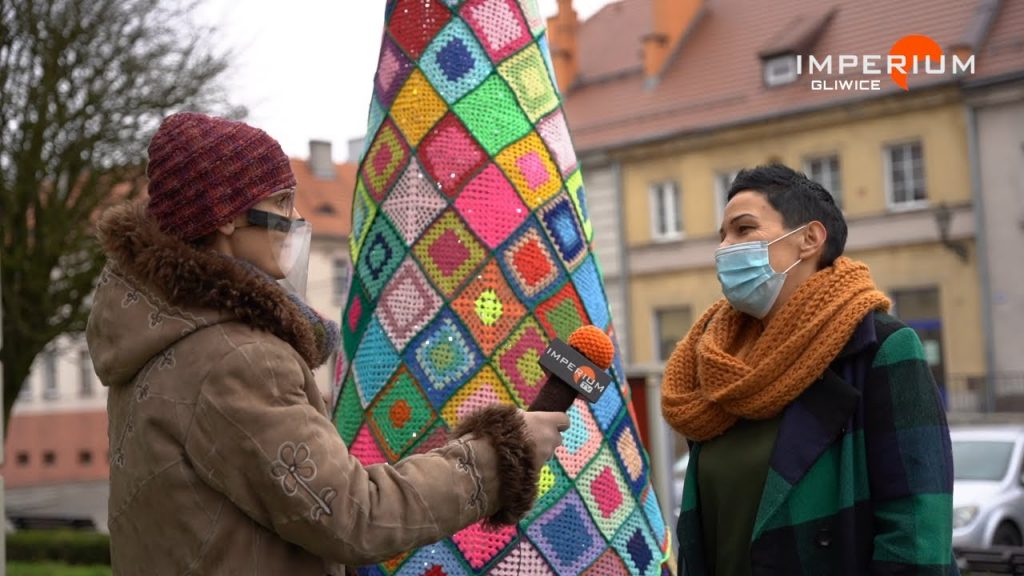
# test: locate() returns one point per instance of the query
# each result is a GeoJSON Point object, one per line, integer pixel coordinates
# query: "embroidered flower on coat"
{"type": "Point", "coordinates": [130, 297]}
{"type": "Point", "coordinates": [166, 360]}
{"type": "Point", "coordinates": [321, 506]}
{"type": "Point", "coordinates": [295, 469]}
{"type": "Point", "coordinates": [293, 465]}
{"type": "Point", "coordinates": [142, 390]}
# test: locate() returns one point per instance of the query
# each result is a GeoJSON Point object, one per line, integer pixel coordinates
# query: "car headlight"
{"type": "Point", "coordinates": [964, 515]}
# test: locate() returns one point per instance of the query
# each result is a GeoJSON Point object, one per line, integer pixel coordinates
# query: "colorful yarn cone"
{"type": "Point", "coordinates": [472, 248]}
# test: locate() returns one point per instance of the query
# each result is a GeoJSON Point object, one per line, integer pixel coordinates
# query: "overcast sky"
{"type": "Point", "coordinates": [304, 68]}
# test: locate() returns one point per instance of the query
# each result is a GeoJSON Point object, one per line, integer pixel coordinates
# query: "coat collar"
{"type": "Point", "coordinates": [188, 277]}
{"type": "Point", "coordinates": [863, 336]}
{"type": "Point", "coordinates": [811, 424]}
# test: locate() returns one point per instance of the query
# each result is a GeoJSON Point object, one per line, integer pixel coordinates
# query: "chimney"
{"type": "Point", "coordinates": [564, 45]}
{"type": "Point", "coordinates": [320, 162]}
{"type": "Point", "coordinates": [355, 149]}
{"type": "Point", "coordinates": [669, 20]}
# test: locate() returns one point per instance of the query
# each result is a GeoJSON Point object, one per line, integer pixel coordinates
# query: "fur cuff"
{"type": "Point", "coordinates": [505, 428]}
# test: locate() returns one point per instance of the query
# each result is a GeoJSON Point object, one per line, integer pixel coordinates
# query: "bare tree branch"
{"type": "Point", "coordinates": [83, 84]}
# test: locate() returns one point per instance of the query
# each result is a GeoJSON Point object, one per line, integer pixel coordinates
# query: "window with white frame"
{"type": "Point", "coordinates": [780, 70]}
{"type": "Point", "coordinates": [25, 394]}
{"type": "Point", "coordinates": [339, 279]}
{"type": "Point", "coordinates": [50, 389]}
{"type": "Point", "coordinates": [85, 373]}
{"type": "Point", "coordinates": [825, 171]}
{"type": "Point", "coordinates": [904, 167]}
{"type": "Point", "coordinates": [665, 220]}
{"type": "Point", "coordinates": [723, 181]}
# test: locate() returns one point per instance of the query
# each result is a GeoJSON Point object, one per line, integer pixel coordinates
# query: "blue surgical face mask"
{"type": "Point", "coordinates": [748, 281]}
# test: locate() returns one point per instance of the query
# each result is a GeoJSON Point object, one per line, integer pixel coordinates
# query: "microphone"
{"type": "Point", "coordinates": [557, 395]}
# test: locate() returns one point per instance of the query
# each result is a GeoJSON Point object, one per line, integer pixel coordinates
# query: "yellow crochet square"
{"type": "Point", "coordinates": [364, 210]}
{"type": "Point", "coordinates": [575, 187]}
{"type": "Point", "coordinates": [529, 167]}
{"type": "Point", "coordinates": [483, 390]}
{"type": "Point", "coordinates": [527, 75]}
{"type": "Point", "coordinates": [417, 108]}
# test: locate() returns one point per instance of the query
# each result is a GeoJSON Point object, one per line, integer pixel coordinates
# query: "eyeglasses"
{"type": "Point", "coordinates": [283, 201]}
{"type": "Point", "coordinates": [272, 221]}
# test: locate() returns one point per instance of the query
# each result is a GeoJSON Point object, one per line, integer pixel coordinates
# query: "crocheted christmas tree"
{"type": "Point", "coordinates": [471, 247]}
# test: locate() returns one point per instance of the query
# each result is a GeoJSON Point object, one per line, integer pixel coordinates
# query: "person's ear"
{"type": "Point", "coordinates": [813, 241]}
{"type": "Point", "coordinates": [227, 228]}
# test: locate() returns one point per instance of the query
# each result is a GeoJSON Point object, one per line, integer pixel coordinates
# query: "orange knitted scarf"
{"type": "Point", "coordinates": [707, 388]}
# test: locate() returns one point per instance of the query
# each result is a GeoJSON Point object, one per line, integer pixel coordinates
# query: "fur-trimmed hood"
{"type": "Point", "coordinates": [157, 289]}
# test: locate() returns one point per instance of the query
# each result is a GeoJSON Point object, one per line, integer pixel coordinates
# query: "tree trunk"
{"type": "Point", "coordinates": [16, 370]}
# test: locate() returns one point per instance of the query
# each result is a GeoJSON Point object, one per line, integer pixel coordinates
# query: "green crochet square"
{"type": "Point", "coordinates": [348, 416]}
{"type": "Point", "coordinates": [492, 130]}
{"type": "Point", "coordinates": [401, 414]}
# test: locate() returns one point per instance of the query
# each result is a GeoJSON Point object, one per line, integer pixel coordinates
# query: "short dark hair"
{"type": "Point", "coordinates": [800, 200]}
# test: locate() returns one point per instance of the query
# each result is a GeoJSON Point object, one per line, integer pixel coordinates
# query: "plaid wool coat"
{"type": "Point", "coordinates": [861, 476]}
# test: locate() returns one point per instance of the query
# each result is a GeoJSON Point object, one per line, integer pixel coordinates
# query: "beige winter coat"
{"type": "Point", "coordinates": [223, 459]}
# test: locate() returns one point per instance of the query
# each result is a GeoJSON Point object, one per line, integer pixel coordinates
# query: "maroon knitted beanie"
{"type": "Point", "coordinates": [204, 170]}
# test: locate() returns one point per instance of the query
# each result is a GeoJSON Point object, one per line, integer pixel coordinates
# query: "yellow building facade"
{"type": "Point", "coordinates": [672, 277]}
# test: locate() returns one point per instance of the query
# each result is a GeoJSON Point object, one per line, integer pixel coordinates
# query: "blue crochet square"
{"type": "Point", "coordinates": [454, 62]}
{"type": "Point", "coordinates": [559, 219]}
{"type": "Point", "coordinates": [375, 362]}
{"type": "Point", "coordinates": [587, 279]}
{"type": "Point", "coordinates": [443, 357]}
{"type": "Point", "coordinates": [434, 559]}
{"type": "Point", "coordinates": [636, 547]}
{"type": "Point", "coordinates": [566, 536]}
{"type": "Point", "coordinates": [608, 407]}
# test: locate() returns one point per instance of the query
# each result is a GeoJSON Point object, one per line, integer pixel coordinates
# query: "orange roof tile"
{"type": "Point", "coordinates": [326, 204]}
{"type": "Point", "coordinates": [715, 78]}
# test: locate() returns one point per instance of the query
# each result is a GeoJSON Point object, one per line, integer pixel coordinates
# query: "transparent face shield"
{"type": "Point", "coordinates": [289, 243]}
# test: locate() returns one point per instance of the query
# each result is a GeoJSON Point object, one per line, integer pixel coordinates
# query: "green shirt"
{"type": "Point", "coordinates": [730, 480]}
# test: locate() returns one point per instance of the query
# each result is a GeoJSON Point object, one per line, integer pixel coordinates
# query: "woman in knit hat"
{"type": "Point", "coordinates": [819, 443]}
{"type": "Point", "coordinates": [222, 458]}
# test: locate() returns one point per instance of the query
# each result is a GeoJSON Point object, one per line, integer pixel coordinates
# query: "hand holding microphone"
{"type": "Point", "coordinates": [545, 432]}
{"type": "Point", "coordinates": [578, 367]}
{"type": "Point", "coordinates": [586, 372]}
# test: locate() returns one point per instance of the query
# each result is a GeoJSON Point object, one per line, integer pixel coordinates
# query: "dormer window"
{"type": "Point", "coordinates": [799, 35]}
{"type": "Point", "coordinates": [780, 70]}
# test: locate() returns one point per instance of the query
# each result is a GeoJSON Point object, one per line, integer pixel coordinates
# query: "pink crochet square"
{"type": "Point", "coordinates": [499, 25]}
{"type": "Point", "coordinates": [523, 560]}
{"type": "Point", "coordinates": [555, 134]}
{"type": "Point", "coordinates": [491, 207]}
{"type": "Point", "coordinates": [365, 448]}
{"type": "Point", "coordinates": [450, 155]}
{"type": "Point", "coordinates": [533, 170]}
{"type": "Point", "coordinates": [479, 546]}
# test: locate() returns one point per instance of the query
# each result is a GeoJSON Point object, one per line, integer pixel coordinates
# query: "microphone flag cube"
{"type": "Point", "coordinates": [570, 366]}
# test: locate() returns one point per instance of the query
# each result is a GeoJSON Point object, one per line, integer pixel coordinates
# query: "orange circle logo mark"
{"type": "Point", "coordinates": [910, 47]}
{"type": "Point", "coordinates": [584, 372]}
